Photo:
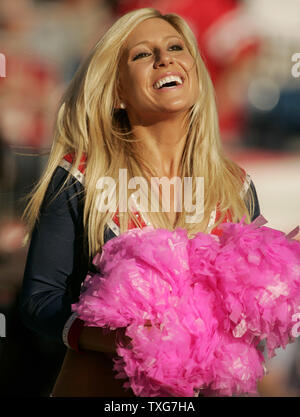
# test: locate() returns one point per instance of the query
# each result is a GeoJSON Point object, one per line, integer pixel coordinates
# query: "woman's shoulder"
{"type": "Point", "coordinates": [246, 182]}
{"type": "Point", "coordinates": [246, 188]}
{"type": "Point", "coordinates": [66, 184]}
{"type": "Point", "coordinates": [67, 163]}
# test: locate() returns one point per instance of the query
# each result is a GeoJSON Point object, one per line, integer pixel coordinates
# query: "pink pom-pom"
{"type": "Point", "coordinates": [237, 368]}
{"type": "Point", "coordinates": [258, 275]}
{"type": "Point", "coordinates": [138, 273]}
{"type": "Point", "coordinates": [188, 351]}
{"type": "Point", "coordinates": [209, 302]}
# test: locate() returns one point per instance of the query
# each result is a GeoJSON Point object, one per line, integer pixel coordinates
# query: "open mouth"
{"type": "Point", "coordinates": [167, 82]}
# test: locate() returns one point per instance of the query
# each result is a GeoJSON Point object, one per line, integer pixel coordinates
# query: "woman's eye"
{"type": "Point", "coordinates": [176, 48]}
{"type": "Point", "coordinates": [140, 55]}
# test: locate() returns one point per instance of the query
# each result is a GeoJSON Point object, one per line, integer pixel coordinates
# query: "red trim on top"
{"type": "Point", "coordinates": [131, 224]}
{"type": "Point", "coordinates": [82, 165]}
{"type": "Point", "coordinates": [227, 218]}
{"type": "Point", "coordinates": [244, 172]}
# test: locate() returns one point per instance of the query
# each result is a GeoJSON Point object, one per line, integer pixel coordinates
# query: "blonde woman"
{"type": "Point", "coordinates": [142, 102]}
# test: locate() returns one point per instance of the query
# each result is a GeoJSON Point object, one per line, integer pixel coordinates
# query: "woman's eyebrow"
{"type": "Point", "coordinates": [147, 42]}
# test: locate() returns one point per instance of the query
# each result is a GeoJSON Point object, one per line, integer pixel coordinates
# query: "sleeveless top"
{"type": "Point", "coordinates": [114, 224]}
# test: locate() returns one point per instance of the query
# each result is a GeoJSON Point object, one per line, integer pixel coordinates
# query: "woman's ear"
{"type": "Point", "coordinates": [120, 105]}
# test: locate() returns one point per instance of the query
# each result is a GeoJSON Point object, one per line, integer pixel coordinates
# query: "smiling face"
{"type": "Point", "coordinates": [157, 73]}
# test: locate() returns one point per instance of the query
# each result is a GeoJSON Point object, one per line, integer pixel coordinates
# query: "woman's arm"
{"type": "Point", "coordinates": [94, 338]}
{"type": "Point", "coordinates": [56, 266]}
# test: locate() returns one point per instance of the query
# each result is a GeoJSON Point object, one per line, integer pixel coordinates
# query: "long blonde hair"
{"type": "Point", "coordinates": [89, 124]}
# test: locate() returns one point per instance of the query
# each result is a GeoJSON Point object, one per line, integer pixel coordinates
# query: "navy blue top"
{"type": "Point", "coordinates": [57, 260]}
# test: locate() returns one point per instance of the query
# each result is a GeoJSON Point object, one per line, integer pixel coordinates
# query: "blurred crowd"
{"type": "Point", "coordinates": [247, 46]}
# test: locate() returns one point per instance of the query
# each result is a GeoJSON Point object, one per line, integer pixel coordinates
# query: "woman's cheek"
{"type": "Point", "coordinates": [189, 64]}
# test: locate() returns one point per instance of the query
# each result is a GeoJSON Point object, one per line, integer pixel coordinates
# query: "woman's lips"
{"type": "Point", "coordinates": [168, 78]}
{"type": "Point", "coordinates": [166, 89]}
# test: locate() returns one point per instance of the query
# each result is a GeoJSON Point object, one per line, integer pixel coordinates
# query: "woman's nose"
{"type": "Point", "coordinates": [162, 58]}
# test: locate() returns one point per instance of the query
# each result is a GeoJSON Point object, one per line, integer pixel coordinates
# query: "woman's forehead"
{"type": "Point", "coordinates": [150, 30]}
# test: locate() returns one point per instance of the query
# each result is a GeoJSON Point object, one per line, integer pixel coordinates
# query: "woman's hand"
{"type": "Point", "coordinates": [125, 340]}
{"type": "Point", "coordinates": [148, 324]}
{"type": "Point", "coordinates": [96, 339]}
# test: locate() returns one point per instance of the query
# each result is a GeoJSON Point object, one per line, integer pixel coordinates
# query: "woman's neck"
{"type": "Point", "coordinates": [162, 143]}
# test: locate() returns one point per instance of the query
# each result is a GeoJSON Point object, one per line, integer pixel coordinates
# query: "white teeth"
{"type": "Point", "coordinates": [168, 79]}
